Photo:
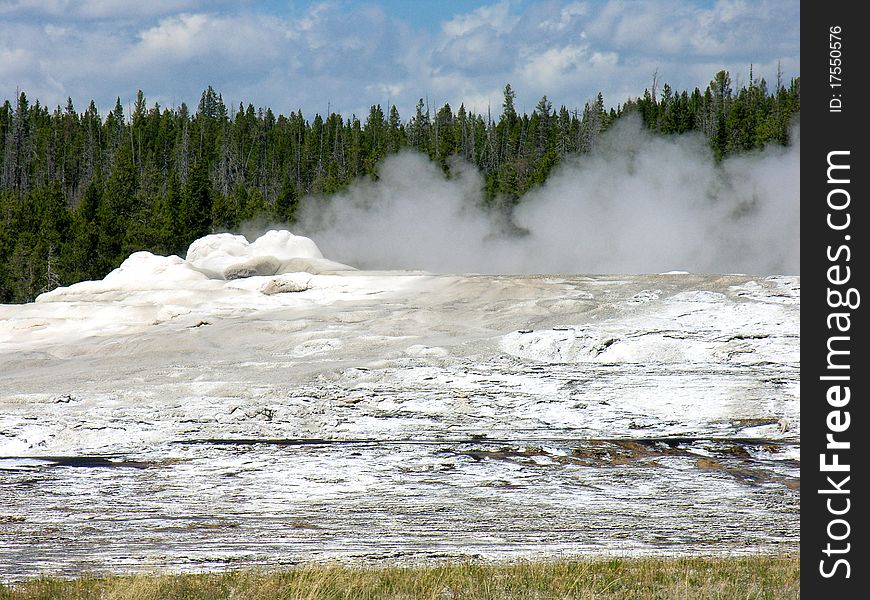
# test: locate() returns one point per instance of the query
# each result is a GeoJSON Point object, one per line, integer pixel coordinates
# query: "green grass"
{"type": "Point", "coordinates": [755, 577]}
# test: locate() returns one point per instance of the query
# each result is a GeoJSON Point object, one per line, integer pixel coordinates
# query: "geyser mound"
{"type": "Point", "coordinates": [209, 260]}
{"type": "Point", "coordinates": [227, 256]}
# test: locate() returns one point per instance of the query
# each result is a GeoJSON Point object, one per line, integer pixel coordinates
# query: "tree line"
{"type": "Point", "coordinates": [79, 192]}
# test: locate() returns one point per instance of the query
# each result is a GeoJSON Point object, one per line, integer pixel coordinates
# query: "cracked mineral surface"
{"type": "Point", "coordinates": [168, 419]}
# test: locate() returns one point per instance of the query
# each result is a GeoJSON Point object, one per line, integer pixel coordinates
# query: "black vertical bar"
{"type": "Point", "coordinates": [834, 300]}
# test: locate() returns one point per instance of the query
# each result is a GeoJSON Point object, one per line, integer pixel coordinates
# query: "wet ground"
{"type": "Point", "coordinates": [405, 420]}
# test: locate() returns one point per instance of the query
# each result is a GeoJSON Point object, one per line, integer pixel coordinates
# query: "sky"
{"type": "Point", "coordinates": [346, 56]}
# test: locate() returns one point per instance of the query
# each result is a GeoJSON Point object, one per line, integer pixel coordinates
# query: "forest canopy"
{"type": "Point", "coordinates": [80, 191]}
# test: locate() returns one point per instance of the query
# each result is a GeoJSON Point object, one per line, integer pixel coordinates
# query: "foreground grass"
{"type": "Point", "coordinates": [756, 577]}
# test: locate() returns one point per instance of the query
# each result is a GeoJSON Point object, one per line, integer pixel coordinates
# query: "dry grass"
{"type": "Point", "coordinates": [749, 578]}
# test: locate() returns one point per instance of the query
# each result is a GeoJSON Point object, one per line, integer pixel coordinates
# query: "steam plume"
{"type": "Point", "coordinates": [639, 203]}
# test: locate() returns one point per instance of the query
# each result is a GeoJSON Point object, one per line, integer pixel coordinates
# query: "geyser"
{"type": "Point", "coordinates": [228, 256]}
{"type": "Point", "coordinates": [639, 203]}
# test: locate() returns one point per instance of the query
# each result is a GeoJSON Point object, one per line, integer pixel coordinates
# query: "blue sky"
{"type": "Point", "coordinates": [346, 56]}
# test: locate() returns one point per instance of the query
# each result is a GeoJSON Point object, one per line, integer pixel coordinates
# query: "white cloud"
{"type": "Point", "coordinates": [351, 58]}
{"type": "Point", "coordinates": [496, 17]}
{"type": "Point", "coordinates": [16, 63]}
{"type": "Point", "coordinates": [104, 9]}
{"type": "Point", "coordinates": [543, 70]}
{"type": "Point", "coordinates": [11, 7]}
{"type": "Point", "coordinates": [567, 17]}
{"type": "Point", "coordinates": [56, 33]}
{"type": "Point", "coordinates": [386, 91]}
{"type": "Point", "coordinates": [125, 9]}
{"type": "Point", "coordinates": [177, 36]}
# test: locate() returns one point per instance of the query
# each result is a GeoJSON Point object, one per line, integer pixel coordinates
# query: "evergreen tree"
{"type": "Point", "coordinates": [224, 212]}
{"type": "Point", "coordinates": [287, 202]}
{"type": "Point", "coordinates": [418, 128]}
{"type": "Point", "coordinates": [395, 131]}
{"type": "Point", "coordinates": [79, 192]}
{"type": "Point", "coordinates": [115, 210]}
{"type": "Point", "coordinates": [444, 142]}
{"type": "Point", "coordinates": [508, 111]}
{"type": "Point", "coordinates": [84, 260]}
{"type": "Point", "coordinates": [195, 212]}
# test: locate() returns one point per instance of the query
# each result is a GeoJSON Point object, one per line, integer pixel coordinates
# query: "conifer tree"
{"type": "Point", "coordinates": [115, 209]}
{"type": "Point", "coordinates": [287, 201]}
{"type": "Point", "coordinates": [81, 191]}
{"type": "Point", "coordinates": [84, 261]}
{"type": "Point", "coordinates": [195, 213]}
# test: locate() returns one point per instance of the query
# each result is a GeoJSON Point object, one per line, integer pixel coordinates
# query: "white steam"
{"type": "Point", "coordinates": [639, 203]}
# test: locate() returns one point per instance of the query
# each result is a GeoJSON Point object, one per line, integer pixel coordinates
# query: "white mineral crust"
{"type": "Point", "coordinates": [169, 417]}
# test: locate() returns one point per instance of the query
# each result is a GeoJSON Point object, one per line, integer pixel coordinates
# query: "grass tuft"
{"type": "Point", "coordinates": [743, 578]}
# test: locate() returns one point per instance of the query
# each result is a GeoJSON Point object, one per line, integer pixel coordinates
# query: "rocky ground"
{"type": "Point", "coordinates": [171, 421]}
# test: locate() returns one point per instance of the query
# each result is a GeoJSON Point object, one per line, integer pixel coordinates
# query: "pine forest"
{"type": "Point", "coordinates": [80, 191]}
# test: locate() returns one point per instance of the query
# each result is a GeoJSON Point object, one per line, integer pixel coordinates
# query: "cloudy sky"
{"type": "Point", "coordinates": [348, 55]}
